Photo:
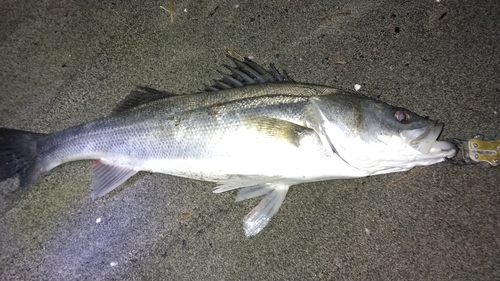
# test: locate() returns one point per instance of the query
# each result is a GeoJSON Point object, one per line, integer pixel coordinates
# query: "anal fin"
{"type": "Point", "coordinates": [107, 177]}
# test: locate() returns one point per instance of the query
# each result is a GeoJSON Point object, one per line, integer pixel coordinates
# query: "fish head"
{"type": "Point", "coordinates": [375, 137]}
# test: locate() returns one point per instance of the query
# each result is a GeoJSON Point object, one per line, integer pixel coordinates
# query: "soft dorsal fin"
{"type": "Point", "coordinates": [140, 96]}
{"type": "Point", "coordinates": [246, 72]}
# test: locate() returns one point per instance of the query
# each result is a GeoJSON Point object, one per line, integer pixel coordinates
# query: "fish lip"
{"type": "Point", "coordinates": [426, 142]}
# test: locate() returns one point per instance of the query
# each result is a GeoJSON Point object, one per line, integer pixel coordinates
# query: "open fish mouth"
{"type": "Point", "coordinates": [425, 141]}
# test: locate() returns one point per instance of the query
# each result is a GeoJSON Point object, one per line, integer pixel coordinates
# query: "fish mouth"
{"type": "Point", "coordinates": [425, 141]}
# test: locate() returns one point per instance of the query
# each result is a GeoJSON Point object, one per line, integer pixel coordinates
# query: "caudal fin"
{"type": "Point", "coordinates": [18, 156]}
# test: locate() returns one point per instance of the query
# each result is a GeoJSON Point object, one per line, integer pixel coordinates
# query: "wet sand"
{"type": "Point", "coordinates": [65, 63]}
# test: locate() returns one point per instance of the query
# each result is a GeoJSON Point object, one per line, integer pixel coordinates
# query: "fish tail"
{"type": "Point", "coordinates": [18, 156]}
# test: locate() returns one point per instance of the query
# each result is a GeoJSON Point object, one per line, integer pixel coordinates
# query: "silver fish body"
{"type": "Point", "coordinates": [257, 131]}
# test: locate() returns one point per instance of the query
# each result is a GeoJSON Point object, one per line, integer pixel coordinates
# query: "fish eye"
{"type": "Point", "coordinates": [402, 116]}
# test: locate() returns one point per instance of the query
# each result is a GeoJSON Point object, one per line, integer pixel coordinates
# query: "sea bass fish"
{"type": "Point", "coordinates": [254, 129]}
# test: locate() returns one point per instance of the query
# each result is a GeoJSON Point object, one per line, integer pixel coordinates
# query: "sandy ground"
{"type": "Point", "coordinates": [63, 63]}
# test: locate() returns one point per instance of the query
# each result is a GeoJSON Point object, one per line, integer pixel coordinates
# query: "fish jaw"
{"type": "Point", "coordinates": [425, 141]}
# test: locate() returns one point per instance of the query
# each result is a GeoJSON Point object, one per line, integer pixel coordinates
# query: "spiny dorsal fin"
{"type": "Point", "coordinates": [246, 72]}
{"type": "Point", "coordinates": [140, 96]}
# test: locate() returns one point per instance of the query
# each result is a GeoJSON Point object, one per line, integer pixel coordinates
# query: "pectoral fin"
{"type": "Point", "coordinates": [107, 177]}
{"type": "Point", "coordinates": [277, 128]}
